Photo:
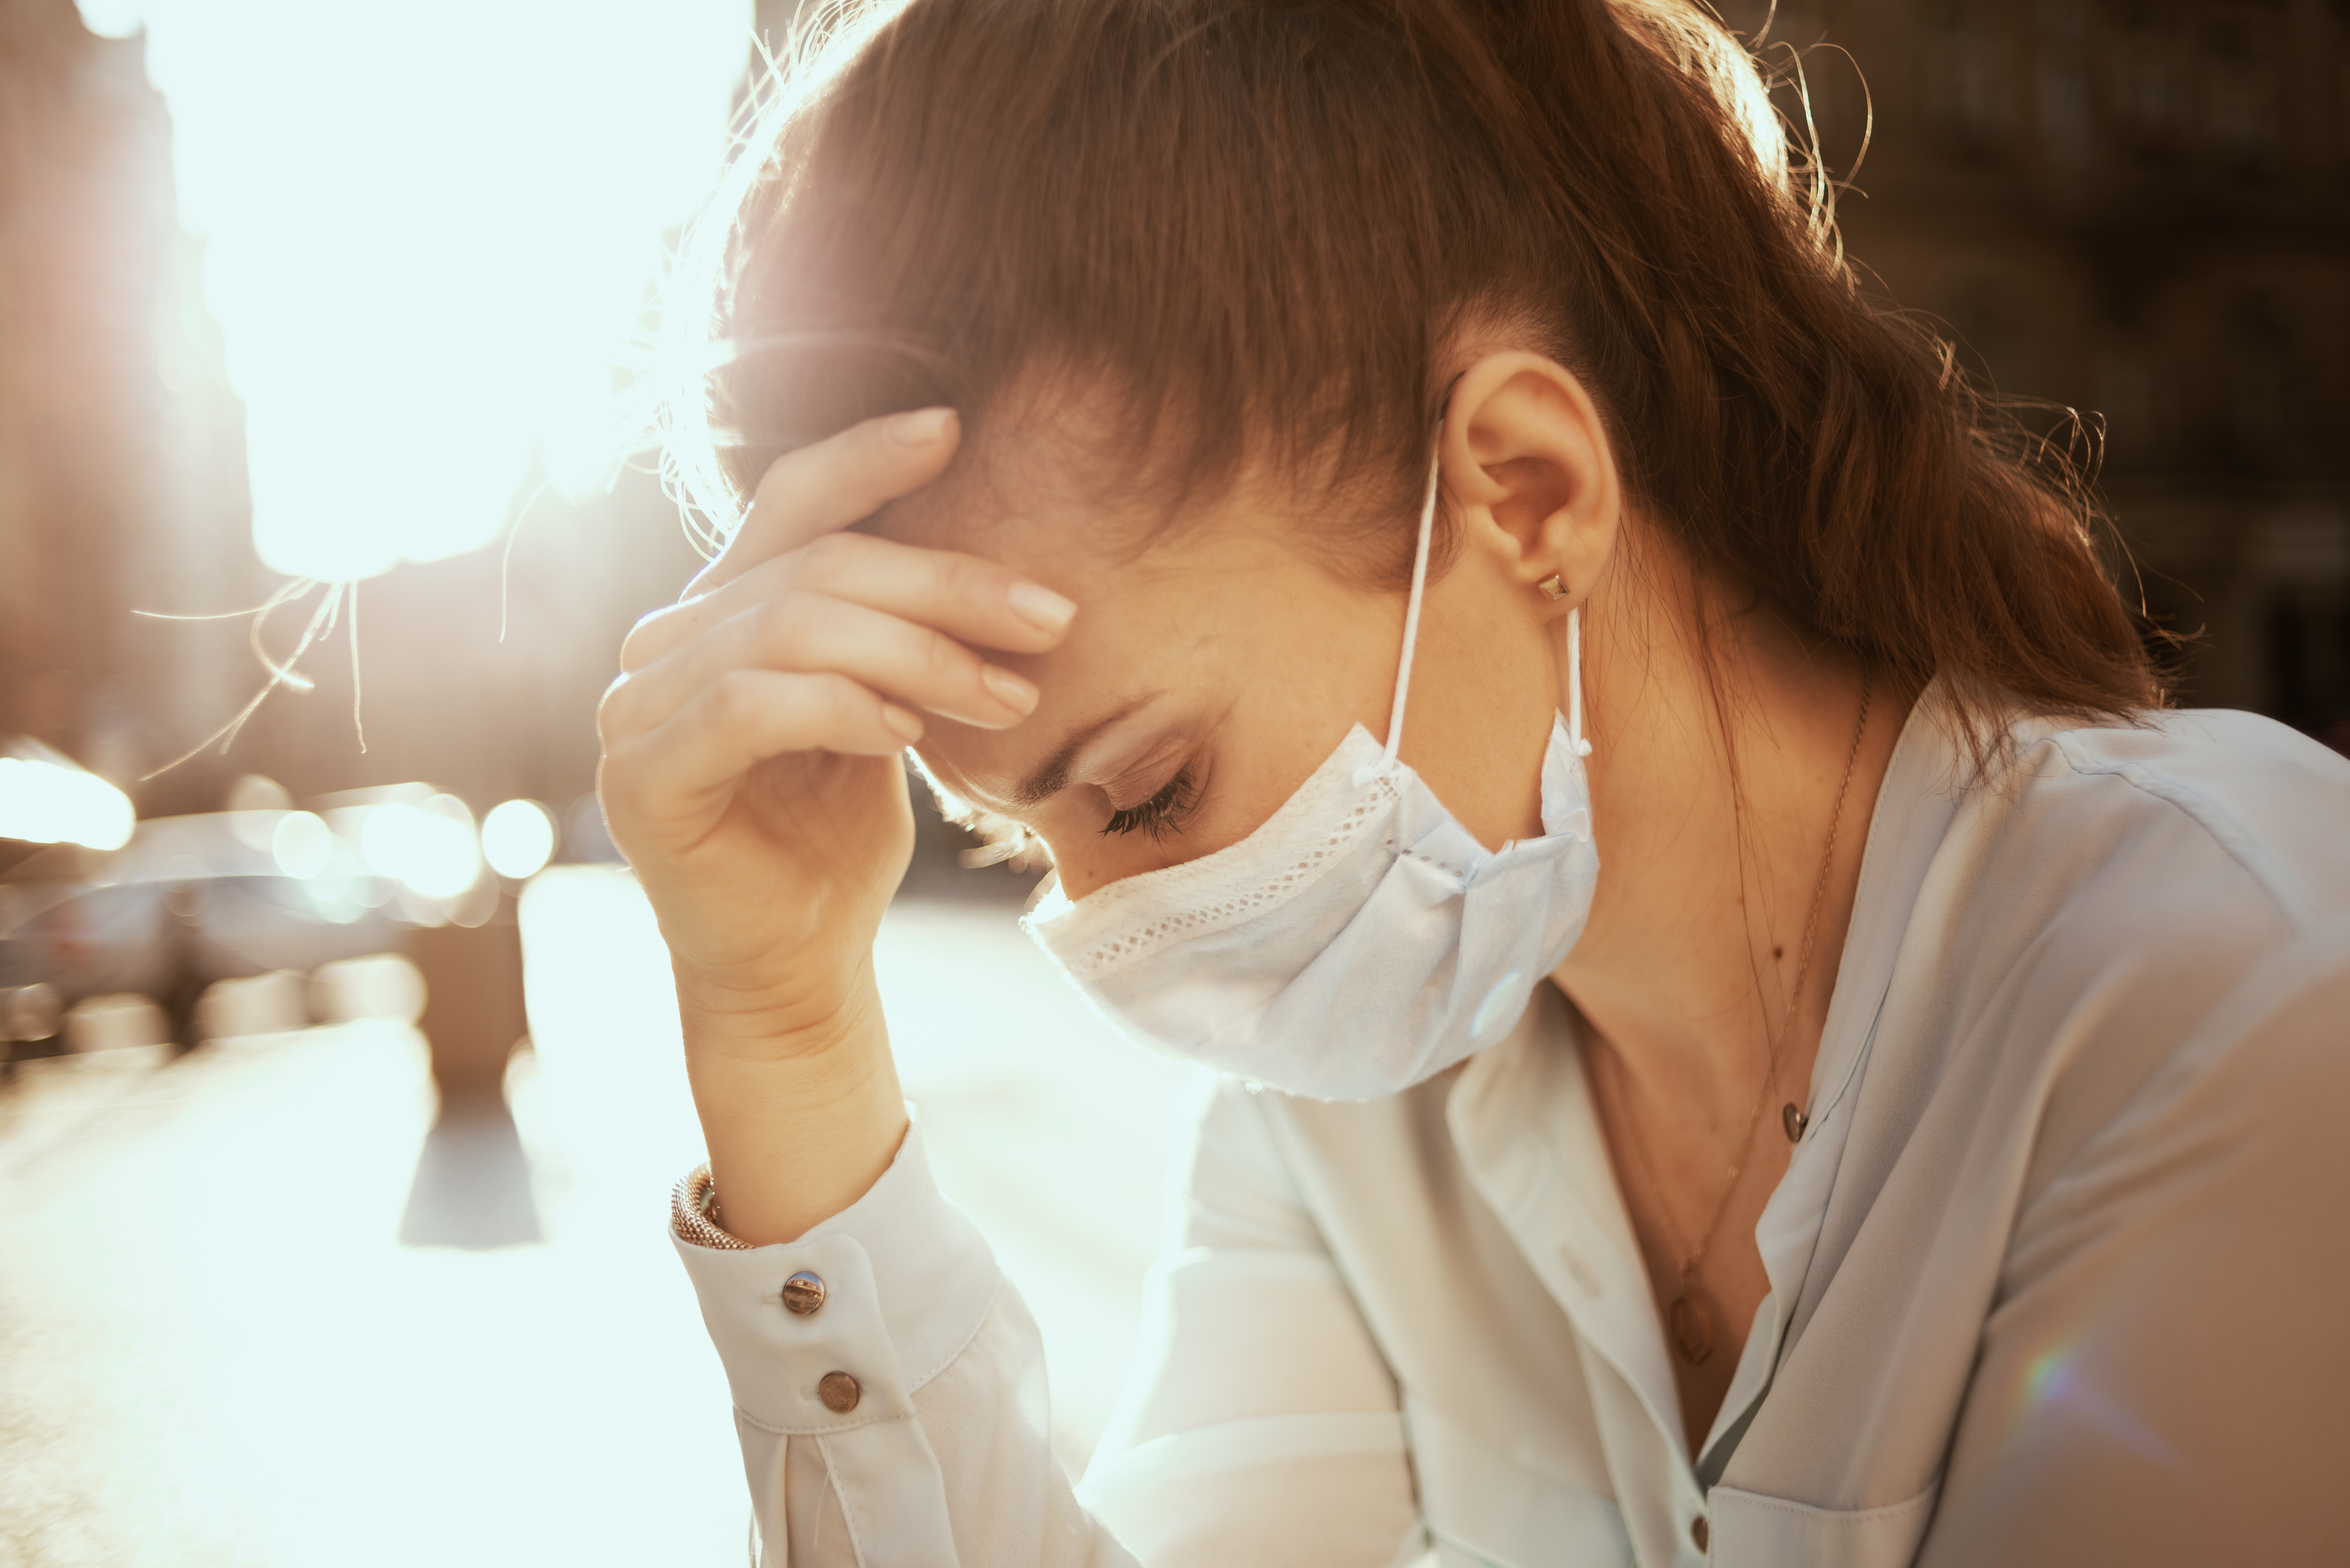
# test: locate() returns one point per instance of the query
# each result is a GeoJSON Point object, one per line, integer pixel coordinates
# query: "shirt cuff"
{"type": "Point", "coordinates": [906, 1281]}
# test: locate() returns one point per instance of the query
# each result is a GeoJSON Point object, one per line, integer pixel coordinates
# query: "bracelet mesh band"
{"type": "Point", "coordinates": [693, 1213]}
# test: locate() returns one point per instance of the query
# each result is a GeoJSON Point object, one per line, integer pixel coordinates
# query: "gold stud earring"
{"type": "Point", "coordinates": [1554, 587]}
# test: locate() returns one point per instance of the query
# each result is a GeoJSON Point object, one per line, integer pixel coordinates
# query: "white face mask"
{"type": "Point", "coordinates": [1359, 942]}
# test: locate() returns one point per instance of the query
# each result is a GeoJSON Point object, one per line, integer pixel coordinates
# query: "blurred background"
{"type": "Point", "coordinates": [339, 1085]}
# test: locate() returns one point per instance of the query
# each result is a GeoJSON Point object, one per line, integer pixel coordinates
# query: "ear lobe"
{"type": "Point", "coordinates": [1525, 455]}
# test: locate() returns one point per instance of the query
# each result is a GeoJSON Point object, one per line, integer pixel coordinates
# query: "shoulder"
{"type": "Point", "coordinates": [2272, 804]}
{"type": "Point", "coordinates": [2178, 822]}
{"type": "Point", "coordinates": [2113, 903]}
{"type": "Point", "coordinates": [2162, 859]}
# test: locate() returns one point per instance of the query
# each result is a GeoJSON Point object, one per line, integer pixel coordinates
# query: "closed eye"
{"type": "Point", "coordinates": [1162, 813]}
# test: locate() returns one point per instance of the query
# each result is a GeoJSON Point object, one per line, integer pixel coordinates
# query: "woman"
{"type": "Point", "coordinates": [1749, 1034]}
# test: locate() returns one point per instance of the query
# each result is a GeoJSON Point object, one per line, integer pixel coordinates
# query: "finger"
{"type": "Point", "coordinates": [911, 664]}
{"type": "Point", "coordinates": [973, 600]}
{"type": "Point", "coordinates": [742, 720]}
{"type": "Point", "coordinates": [844, 479]}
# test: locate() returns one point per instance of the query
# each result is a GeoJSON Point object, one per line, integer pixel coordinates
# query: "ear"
{"type": "Point", "coordinates": [1526, 460]}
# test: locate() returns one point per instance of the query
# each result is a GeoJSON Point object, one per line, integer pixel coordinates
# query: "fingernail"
{"type": "Point", "coordinates": [908, 725]}
{"type": "Point", "coordinates": [922, 427]}
{"type": "Point", "coordinates": [1040, 607]}
{"type": "Point", "coordinates": [1009, 689]}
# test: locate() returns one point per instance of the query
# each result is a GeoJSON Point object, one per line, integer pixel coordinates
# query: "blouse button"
{"type": "Point", "coordinates": [840, 1393]}
{"type": "Point", "coordinates": [802, 1293]}
{"type": "Point", "coordinates": [1698, 1532]}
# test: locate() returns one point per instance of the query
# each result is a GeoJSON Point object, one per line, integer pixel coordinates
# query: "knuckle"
{"type": "Point", "coordinates": [734, 696]}
{"type": "Point", "coordinates": [615, 792]}
{"type": "Point", "coordinates": [627, 786]}
{"type": "Point", "coordinates": [825, 561]}
{"type": "Point", "coordinates": [845, 701]}
{"type": "Point", "coordinates": [966, 577]}
{"type": "Point", "coordinates": [791, 625]}
{"type": "Point", "coordinates": [607, 710]}
{"type": "Point", "coordinates": [946, 659]}
{"type": "Point", "coordinates": [635, 649]}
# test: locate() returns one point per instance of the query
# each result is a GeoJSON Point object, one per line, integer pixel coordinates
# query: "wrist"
{"type": "Point", "coordinates": [816, 1017]}
{"type": "Point", "coordinates": [800, 1118]}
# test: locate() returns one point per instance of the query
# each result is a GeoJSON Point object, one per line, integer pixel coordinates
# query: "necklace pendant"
{"type": "Point", "coordinates": [1794, 1122]}
{"type": "Point", "coordinates": [1691, 1326]}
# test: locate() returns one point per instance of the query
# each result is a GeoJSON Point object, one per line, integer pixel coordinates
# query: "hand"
{"type": "Point", "coordinates": [752, 771]}
{"type": "Point", "coordinates": [751, 767]}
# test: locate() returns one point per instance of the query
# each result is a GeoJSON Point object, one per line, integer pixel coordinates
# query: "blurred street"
{"type": "Point", "coordinates": [216, 1347]}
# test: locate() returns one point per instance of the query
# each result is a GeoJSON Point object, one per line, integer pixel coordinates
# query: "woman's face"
{"type": "Point", "coordinates": [1205, 678]}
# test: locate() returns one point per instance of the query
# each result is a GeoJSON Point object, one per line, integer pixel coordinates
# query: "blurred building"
{"type": "Point", "coordinates": [122, 479]}
{"type": "Point", "coordinates": [2138, 209]}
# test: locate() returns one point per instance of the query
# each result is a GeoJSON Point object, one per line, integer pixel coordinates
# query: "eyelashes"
{"type": "Point", "coordinates": [1162, 813]}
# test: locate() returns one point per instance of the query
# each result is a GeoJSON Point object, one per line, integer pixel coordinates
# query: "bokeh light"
{"type": "Point", "coordinates": [302, 845]}
{"type": "Point", "coordinates": [430, 849]}
{"type": "Point", "coordinates": [44, 802]}
{"type": "Point", "coordinates": [426, 268]}
{"type": "Point", "coordinates": [517, 838]}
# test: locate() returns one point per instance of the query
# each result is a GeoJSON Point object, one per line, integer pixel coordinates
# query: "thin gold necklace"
{"type": "Point", "coordinates": [1689, 1315]}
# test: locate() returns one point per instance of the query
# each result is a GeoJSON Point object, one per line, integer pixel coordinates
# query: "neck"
{"type": "Point", "coordinates": [1714, 786]}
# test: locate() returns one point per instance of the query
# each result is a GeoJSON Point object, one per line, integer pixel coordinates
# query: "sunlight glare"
{"type": "Point", "coordinates": [429, 231]}
{"type": "Point", "coordinates": [44, 802]}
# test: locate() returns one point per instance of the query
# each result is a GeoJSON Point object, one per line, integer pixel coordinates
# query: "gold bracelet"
{"type": "Point", "coordinates": [693, 1213]}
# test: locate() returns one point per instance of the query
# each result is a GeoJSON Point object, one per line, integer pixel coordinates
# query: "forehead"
{"type": "Point", "coordinates": [1058, 499]}
{"type": "Point", "coordinates": [1031, 505]}
{"type": "Point", "coordinates": [1147, 579]}
{"type": "Point", "coordinates": [1172, 613]}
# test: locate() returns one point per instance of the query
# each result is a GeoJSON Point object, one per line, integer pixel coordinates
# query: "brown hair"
{"type": "Point", "coordinates": [1259, 224]}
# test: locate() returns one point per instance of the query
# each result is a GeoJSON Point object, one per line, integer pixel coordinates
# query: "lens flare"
{"type": "Point", "coordinates": [2058, 1383]}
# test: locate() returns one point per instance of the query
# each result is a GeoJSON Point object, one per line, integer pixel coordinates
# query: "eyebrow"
{"type": "Point", "coordinates": [1053, 775]}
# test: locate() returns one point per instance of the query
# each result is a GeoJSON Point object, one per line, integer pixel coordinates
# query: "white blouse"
{"type": "Point", "coordinates": [2058, 1273]}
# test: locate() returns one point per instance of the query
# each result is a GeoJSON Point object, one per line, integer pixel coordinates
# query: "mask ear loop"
{"type": "Point", "coordinates": [1412, 613]}
{"type": "Point", "coordinates": [1575, 682]}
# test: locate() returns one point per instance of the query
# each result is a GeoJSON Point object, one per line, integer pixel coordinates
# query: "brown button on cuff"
{"type": "Point", "coordinates": [1699, 1531]}
{"type": "Point", "coordinates": [802, 1293]}
{"type": "Point", "coordinates": [840, 1393]}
